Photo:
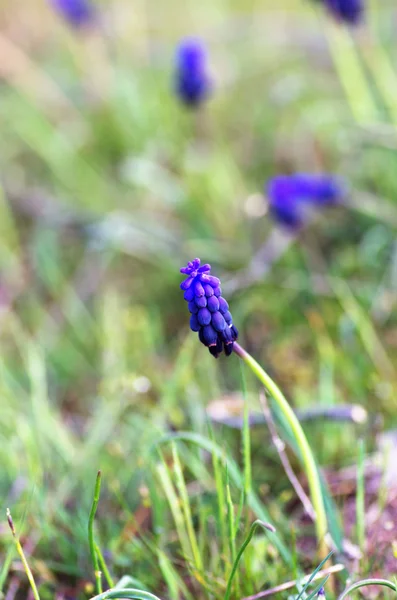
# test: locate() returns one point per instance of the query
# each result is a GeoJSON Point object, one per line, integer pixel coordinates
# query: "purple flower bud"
{"type": "Point", "coordinates": [209, 290]}
{"type": "Point", "coordinates": [292, 196]}
{"type": "Point", "coordinates": [198, 289]}
{"type": "Point", "coordinates": [228, 317]}
{"type": "Point", "coordinates": [223, 305]}
{"type": "Point", "coordinates": [210, 336]}
{"type": "Point", "coordinates": [210, 312]}
{"type": "Point", "coordinates": [192, 80]}
{"type": "Point", "coordinates": [194, 324]}
{"type": "Point", "coordinates": [77, 12]}
{"type": "Point", "coordinates": [204, 316]}
{"type": "Point", "coordinates": [218, 322]}
{"type": "Point", "coordinates": [189, 295]}
{"type": "Point", "coordinates": [201, 301]}
{"type": "Point", "coordinates": [193, 308]}
{"type": "Point", "coordinates": [213, 304]}
{"type": "Point", "coordinates": [349, 11]}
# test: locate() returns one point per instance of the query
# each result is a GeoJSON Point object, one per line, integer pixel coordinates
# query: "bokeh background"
{"type": "Point", "coordinates": [108, 186]}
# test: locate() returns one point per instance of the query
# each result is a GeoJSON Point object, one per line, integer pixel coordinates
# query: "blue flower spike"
{"type": "Point", "coordinates": [210, 316]}
{"type": "Point", "coordinates": [348, 11]}
{"type": "Point", "coordinates": [193, 83]}
{"type": "Point", "coordinates": [292, 196]}
{"type": "Point", "coordinates": [78, 13]}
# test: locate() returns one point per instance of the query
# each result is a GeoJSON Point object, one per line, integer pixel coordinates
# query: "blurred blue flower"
{"type": "Point", "coordinates": [193, 84]}
{"type": "Point", "coordinates": [210, 315]}
{"type": "Point", "coordinates": [77, 12]}
{"type": "Point", "coordinates": [291, 196]}
{"type": "Point", "coordinates": [349, 11]}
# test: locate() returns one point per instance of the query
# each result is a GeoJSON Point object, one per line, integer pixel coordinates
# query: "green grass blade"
{"type": "Point", "coordinates": [184, 497]}
{"type": "Point", "coordinates": [255, 524]}
{"type": "Point", "coordinates": [312, 576]}
{"type": "Point", "coordinates": [164, 475]}
{"type": "Point", "coordinates": [360, 497]}
{"type": "Point", "coordinates": [234, 473]}
{"type": "Point", "coordinates": [94, 556]}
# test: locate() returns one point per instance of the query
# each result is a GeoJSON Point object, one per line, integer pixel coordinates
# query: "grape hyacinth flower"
{"type": "Point", "coordinates": [211, 318]}
{"type": "Point", "coordinates": [193, 84]}
{"type": "Point", "coordinates": [349, 11]}
{"type": "Point", "coordinates": [291, 196]}
{"type": "Point", "coordinates": [210, 315]}
{"type": "Point", "coordinates": [77, 12]}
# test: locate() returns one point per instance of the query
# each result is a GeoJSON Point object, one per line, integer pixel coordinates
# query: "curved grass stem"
{"type": "Point", "coordinates": [306, 453]}
{"type": "Point", "coordinates": [365, 582]}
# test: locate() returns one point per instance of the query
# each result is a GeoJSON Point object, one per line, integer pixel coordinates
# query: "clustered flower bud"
{"type": "Point", "coordinates": [349, 11]}
{"type": "Point", "coordinates": [192, 80]}
{"type": "Point", "coordinates": [210, 315]}
{"type": "Point", "coordinates": [292, 197]}
{"type": "Point", "coordinates": [77, 12]}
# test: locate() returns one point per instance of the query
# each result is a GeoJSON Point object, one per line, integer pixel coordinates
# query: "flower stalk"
{"type": "Point", "coordinates": [306, 453]}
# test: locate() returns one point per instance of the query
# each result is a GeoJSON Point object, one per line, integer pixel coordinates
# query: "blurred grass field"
{"type": "Point", "coordinates": [108, 187]}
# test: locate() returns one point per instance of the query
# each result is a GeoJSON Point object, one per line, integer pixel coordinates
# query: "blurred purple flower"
{"type": "Point", "coordinates": [210, 315]}
{"type": "Point", "coordinates": [290, 196]}
{"type": "Point", "coordinates": [193, 84]}
{"type": "Point", "coordinates": [349, 11]}
{"type": "Point", "coordinates": [77, 12]}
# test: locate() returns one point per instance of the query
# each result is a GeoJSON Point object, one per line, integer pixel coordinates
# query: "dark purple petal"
{"type": "Point", "coordinates": [204, 269]}
{"type": "Point", "coordinates": [234, 332]}
{"type": "Point", "coordinates": [198, 289]}
{"type": "Point", "coordinates": [218, 322]}
{"type": "Point", "coordinates": [185, 285]}
{"type": "Point", "coordinates": [214, 281]}
{"type": "Point", "coordinates": [228, 348]}
{"type": "Point", "coordinates": [210, 336]}
{"type": "Point", "coordinates": [209, 290]}
{"type": "Point", "coordinates": [204, 316]}
{"type": "Point", "coordinates": [213, 304]}
{"type": "Point", "coordinates": [226, 335]}
{"type": "Point", "coordinates": [228, 317]}
{"type": "Point", "coordinates": [223, 305]}
{"type": "Point", "coordinates": [217, 291]}
{"type": "Point", "coordinates": [201, 301]}
{"type": "Point", "coordinates": [216, 350]}
{"type": "Point", "coordinates": [189, 294]}
{"type": "Point", "coordinates": [194, 324]}
{"type": "Point", "coordinates": [193, 308]}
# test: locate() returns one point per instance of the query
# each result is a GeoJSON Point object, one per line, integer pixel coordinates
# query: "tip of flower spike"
{"type": "Point", "coordinates": [191, 266]}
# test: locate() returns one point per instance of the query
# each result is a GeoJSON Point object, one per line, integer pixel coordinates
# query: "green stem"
{"type": "Point", "coordinates": [365, 582]}
{"type": "Point", "coordinates": [104, 567]}
{"type": "Point", "coordinates": [21, 553]}
{"type": "Point", "coordinates": [251, 532]}
{"type": "Point", "coordinates": [94, 556]}
{"type": "Point", "coordinates": [306, 453]}
{"type": "Point", "coordinates": [130, 593]}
